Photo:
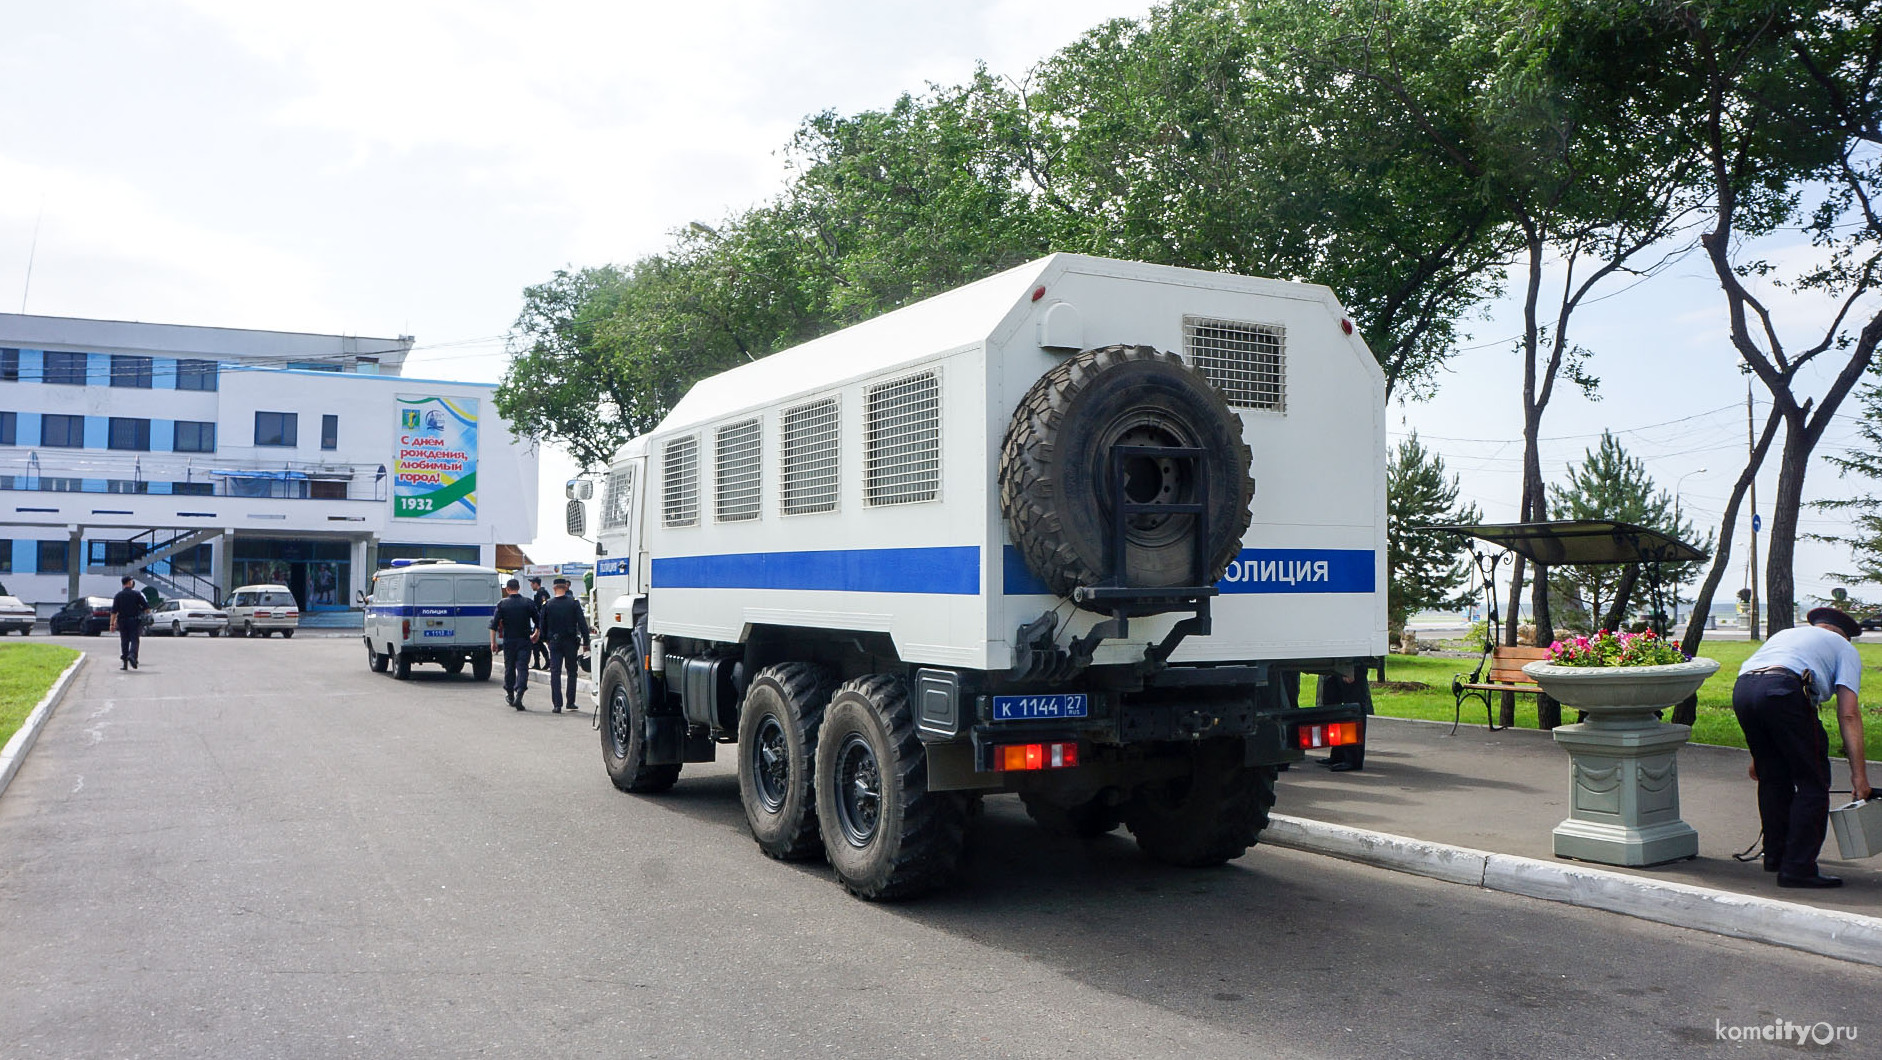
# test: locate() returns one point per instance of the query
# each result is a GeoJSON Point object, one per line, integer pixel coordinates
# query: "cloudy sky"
{"type": "Point", "coordinates": [407, 167]}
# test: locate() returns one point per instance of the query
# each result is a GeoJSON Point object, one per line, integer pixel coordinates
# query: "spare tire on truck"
{"type": "Point", "coordinates": [1055, 471]}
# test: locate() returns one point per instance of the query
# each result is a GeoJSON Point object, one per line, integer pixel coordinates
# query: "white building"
{"type": "Point", "coordinates": [198, 459]}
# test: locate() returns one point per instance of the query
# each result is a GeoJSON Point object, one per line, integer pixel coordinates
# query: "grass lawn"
{"type": "Point", "coordinates": [26, 671]}
{"type": "Point", "coordinates": [1715, 723]}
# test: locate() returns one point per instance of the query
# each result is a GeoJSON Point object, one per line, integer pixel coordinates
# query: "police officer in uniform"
{"type": "Point", "coordinates": [127, 617]}
{"type": "Point", "coordinates": [539, 656]}
{"type": "Point", "coordinates": [514, 624]}
{"type": "Point", "coordinates": [1776, 699]}
{"type": "Point", "coordinates": [564, 628]}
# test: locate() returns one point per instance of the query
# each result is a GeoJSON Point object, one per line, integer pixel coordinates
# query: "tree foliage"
{"type": "Point", "coordinates": [1424, 571]}
{"type": "Point", "coordinates": [1611, 484]}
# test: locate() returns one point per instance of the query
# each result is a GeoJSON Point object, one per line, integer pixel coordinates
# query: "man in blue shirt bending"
{"type": "Point", "coordinates": [1776, 700]}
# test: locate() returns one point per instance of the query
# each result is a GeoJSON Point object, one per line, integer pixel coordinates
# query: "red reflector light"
{"type": "Point", "coordinates": [1332, 734]}
{"type": "Point", "coordinates": [405, 630]}
{"type": "Point", "coordinates": [1017, 757]}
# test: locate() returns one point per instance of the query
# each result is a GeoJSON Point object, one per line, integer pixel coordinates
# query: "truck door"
{"type": "Point", "coordinates": [621, 570]}
{"type": "Point", "coordinates": [434, 611]}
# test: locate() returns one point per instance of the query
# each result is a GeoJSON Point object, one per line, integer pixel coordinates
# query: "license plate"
{"type": "Point", "coordinates": [1035, 708]}
{"type": "Point", "coordinates": [437, 633]}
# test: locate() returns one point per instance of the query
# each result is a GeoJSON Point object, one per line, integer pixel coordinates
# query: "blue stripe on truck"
{"type": "Point", "coordinates": [950, 571]}
{"type": "Point", "coordinates": [1255, 570]}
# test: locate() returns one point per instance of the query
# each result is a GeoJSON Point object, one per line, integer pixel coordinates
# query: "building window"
{"type": "Point", "coordinates": [128, 433]}
{"type": "Point", "coordinates": [130, 371]}
{"type": "Point", "coordinates": [125, 485]}
{"type": "Point", "coordinates": [54, 557]}
{"type": "Point", "coordinates": [329, 432]}
{"type": "Point", "coordinates": [193, 489]}
{"type": "Point", "coordinates": [736, 493]}
{"type": "Point", "coordinates": [6, 556]}
{"type": "Point", "coordinates": [195, 375]}
{"type": "Point", "coordinates": [1247, 362]}
{"type": "Point", "coordinates": [195, 436]}
{"type": "Point", "coordinates": [62, 432]}
{"type": "Point", "coordinates": [67, 369]}
{"type": "Point", "coordinates": [312, 366]}
{"type": "Point", "coordinates": [327, 489]}
{"type": "Point", "coordinates": [9, 365]}
{"type": "Point", "coordinates": [277, 428]}
{"type": "Point", "coordinates": [196, 561]}
{"type": "Point", "coordinates": [9, 428]}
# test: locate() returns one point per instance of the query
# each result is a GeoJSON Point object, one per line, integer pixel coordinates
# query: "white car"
{"type": "Point", "coordinates": [15, 615]}
{"type": "Point", "coordinates": [180, 618]}
{"type": "Point", "coordinates": [263, 610]}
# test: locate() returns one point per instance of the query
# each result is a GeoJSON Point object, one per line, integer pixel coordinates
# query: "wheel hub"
{"type": "Point", "coordinates": [770, 764]}
{"type": "Point", "coordinates": [858, 790]}
{"type": "Point", "coordinates": [617, 721]}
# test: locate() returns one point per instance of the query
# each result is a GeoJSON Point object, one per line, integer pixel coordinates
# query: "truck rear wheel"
{"type": "Point", "coordinates": [624, 728]}
{"type": "Point", "coordinates": [1086, 820]}
{"type": "Point", "coordinates": [886, 835]}
{"type": "Point", "coordinates": [777, 754]}
{"type": "Point", "coordinates": [1209, 817]}
{"type": "Point", "coordinates": [480, 666]}
{"type": "Point", "coordinates": [1055, 471]}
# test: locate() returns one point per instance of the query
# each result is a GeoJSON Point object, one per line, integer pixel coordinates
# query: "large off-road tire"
{"type": "Point", "coordinates": [1211, 816]}
{"type": "Point", "coordinates": [480, 667]}
{"type": "Point", "coordinates": [1085, 820]}
{"type": "Point", "coordinates": [1055, 475]}
{"type": "Point", "coordinates": [886, 835]}
{"type": "Point", "coordinates": [777, 754]}
{"type": "Point", "coordinates": [624, 730]}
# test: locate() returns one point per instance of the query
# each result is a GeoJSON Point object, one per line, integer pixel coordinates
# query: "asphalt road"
{"type": "Point", "coordinates": [260, 849]}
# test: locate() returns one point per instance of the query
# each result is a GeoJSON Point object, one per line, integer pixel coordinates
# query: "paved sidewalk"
{"type": "Point", "coordinates": [1504, 791]}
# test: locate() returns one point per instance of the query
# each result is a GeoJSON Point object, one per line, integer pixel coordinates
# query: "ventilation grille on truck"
{"type": "Point", "coordinates": [808, 458]}
{"type": "Point", "coordinates": [1247, 362]}
{"type": "Point", "coordinates": [679, 477]}
{"type": "Point", "coordinates": [735, 463]}
{"type": "Point", "coordinates": [903, 445]}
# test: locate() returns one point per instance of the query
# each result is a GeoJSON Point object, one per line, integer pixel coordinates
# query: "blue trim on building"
{"type": "Point", "coordinates": [950, 571]}
{"type": "Point", "coordinates": [97, 432]}
{"type": "Point", "coordinates": [97, 369]}
{"type": "Point", "coordinates": [162, 436]}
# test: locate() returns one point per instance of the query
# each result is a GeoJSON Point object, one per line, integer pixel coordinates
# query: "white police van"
{"type": "Point", "coordinates": [1071, 532]}
{"type": "Point", "coordinates": [430, 611]}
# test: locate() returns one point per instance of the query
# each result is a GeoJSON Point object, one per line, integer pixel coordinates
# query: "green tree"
{"type": "Point", "coordinates": [1864, 510]}
{"type": "Point", "coordinates": [1609, 484]}
{"type": "Point", "coordinates": [1424, 570]}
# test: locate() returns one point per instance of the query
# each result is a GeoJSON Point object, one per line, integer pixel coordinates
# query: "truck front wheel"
{"type": "Point", "coordinates": [777, 750]}
{"type": "Point", "coordinates": [886, 835]}
{"type": "Point", "coordinates": [624, 728]}
{"type": "Point", "coordinates": [1209, 817]}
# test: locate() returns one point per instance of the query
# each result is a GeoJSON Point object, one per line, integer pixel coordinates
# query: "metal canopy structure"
{"type": "Point", "coordinates": [1594, 542]}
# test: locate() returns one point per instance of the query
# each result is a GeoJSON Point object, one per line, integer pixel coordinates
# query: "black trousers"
{"type": "Point", "coordinates": [516, 665]}
{"type": "Point", "coordinates": [563, 652]}
{"type": "Point", "coordinates": [1793, 759]}
{"type": "Point", "coordinates": [539, 655]}
{"type": "Point", "coordinates": [129, 636]}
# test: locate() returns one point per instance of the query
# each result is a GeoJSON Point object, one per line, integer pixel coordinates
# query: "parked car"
{"type": "Point", "coordinates": [1871, 624]}
{"type": "Point", "coordinates": [89, 615]}
{"type": "Point", "coordinates": [263, 610]}
{"type": "Point", "coordinates": [15, 615]}
{"type": "Point", "coordinates": [180, 618]}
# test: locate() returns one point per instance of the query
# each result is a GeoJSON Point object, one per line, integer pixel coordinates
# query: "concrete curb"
{"type": "Point", "coordinates": [1827, 932]}
{"type": "Point", "coordinates": [15, 753]}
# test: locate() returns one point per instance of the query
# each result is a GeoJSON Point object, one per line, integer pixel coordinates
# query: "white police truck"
{"type": "Point", "coordinates": [1071, 532]}
{"type": "Point", "coordinates": [430, 611]}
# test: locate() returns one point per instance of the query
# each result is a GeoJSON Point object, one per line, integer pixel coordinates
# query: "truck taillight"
{"type": "Point", "coordinates": [1014, 757]}
{"type": "Point", "coordinates": [405, 630]}
{"type": "Point", "coordinates": [1332, 734]}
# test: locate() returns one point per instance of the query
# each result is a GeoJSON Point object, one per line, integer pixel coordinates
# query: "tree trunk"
{"type": "Point", "coordinates": [1623, 592]}
{"type": "Point", "coordinates": [1780, 581]}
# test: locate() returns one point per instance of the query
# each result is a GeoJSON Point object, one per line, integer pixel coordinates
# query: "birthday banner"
{"type": "Point", "coordinates": [434, 469]}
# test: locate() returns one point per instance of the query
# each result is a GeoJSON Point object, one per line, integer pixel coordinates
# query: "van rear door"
{"type": "Point", "coordinates": [476, 602]}
{"type": "Point", "coordinates": [433, 601]}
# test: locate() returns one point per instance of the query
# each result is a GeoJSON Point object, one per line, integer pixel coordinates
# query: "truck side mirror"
{"type": "Point", "coordinates": [579, 489]}
{"type": "Point", "coordinates": [577, 519]}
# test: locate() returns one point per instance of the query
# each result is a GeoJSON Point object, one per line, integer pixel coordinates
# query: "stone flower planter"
{"type": "Point", "coordinates": [1623, 761]}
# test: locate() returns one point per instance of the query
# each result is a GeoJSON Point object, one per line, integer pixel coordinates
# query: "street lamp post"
{"type": "Point", "coordinates": [1676, 485]}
